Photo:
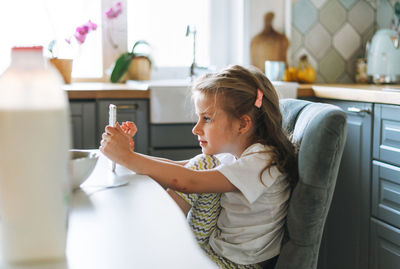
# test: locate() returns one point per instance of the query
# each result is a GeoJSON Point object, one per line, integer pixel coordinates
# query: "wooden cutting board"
{"type": "Point", "coordinates": [268, 45]}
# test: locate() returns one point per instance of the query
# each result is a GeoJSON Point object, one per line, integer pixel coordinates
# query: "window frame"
{"type": "Point", "coordinates": [230, 34]}
{"type": "Point", "coordinates": [220, 38]}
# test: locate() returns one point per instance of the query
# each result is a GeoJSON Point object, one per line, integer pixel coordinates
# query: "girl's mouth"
{"type": "Point", "coordinates": [202, 143]}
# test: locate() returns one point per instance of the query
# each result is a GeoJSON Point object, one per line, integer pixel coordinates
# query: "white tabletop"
{"type": "Point", "coordinates": [133, 226]}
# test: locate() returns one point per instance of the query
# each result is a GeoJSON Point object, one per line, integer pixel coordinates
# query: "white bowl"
{"type": "Point", "coordinates": [81, 165]}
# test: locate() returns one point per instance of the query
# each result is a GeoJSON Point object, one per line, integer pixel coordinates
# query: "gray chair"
{"type": "Point", "coordinates": [320, 129]}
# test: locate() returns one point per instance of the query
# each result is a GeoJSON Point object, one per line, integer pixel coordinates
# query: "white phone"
{"type": "Point", "coordinates": [112, 119]}
{"type": "Point", "coordinates": [112, 114]}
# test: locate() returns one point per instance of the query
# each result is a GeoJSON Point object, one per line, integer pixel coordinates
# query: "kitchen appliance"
{"type": "Point", "coordinates": [384, 57]}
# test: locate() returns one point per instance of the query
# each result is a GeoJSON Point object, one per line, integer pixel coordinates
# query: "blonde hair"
{"type": "Point", "coordinates": [235, 89]}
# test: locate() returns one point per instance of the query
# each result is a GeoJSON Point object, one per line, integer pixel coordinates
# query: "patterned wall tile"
{"type": "Point", "coordinates": [349, 25]}
{"type": "Point", "coordinates": [352, 62]}
{"type": "Point", "coordinates": [332, 66]}
{"type": "Point", "coordinates": [348, 3]}
{"type": "Point", "coordinates": [345, 79]}
{"type": "Point", "coordinates": [346, 41]}
{"type": "Point", "coordinates": [320, 78]}
{"type": "Point", "coordinates": [384, 14]}
{"type": "Point", "coordinates": [304, 15]}
{"type": "Point", "coordinates": [367, 36]}
{"type": "Point", "coordinates": [318, 41]}
{"type": "Point", "coordinates": [318, 3]}
{"type": "Point", "coordinates": [310, 58]}
{"type": "Point", "coordinates": [362, 16]}
{"type": "Point", "coordinates": [332, 16]}
{"type": "Point", "coordinates": [296, 40]}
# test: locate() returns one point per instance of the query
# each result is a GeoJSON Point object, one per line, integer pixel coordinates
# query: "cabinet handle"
{"type": "Point", "coordinates": [125, 107]}
{"type": "Point", "coordinates": [358, 110]}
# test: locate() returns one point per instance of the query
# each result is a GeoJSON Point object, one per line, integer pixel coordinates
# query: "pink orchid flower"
{"type": "Point", "coordinates": [80, 37]}
{"type": "Point", "coordinates": [82, 31]}
{"type": "Point", "coordinates": [92, 26]}
{"type": "Point", "coordinates": [112, 13]}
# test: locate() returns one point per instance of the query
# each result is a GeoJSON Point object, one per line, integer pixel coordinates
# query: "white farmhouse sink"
{"type": "Point", "coordinates": [286, 89]}
{"type": "Point", "coordinates": [170, 100]}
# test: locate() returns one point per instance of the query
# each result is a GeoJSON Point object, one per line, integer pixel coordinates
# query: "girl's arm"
{"type": "Point", "coordinates": [178, 177]}
{"type": "Point", "coordinates": [184, 162]}
{"type": "Point", "coordinates": [115, 145]}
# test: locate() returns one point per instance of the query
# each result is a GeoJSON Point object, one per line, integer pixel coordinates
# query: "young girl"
{"type": "Point", "coordinates": [241, 202]}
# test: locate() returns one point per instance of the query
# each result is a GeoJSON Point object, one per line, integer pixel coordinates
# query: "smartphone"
{"type": "Point", "coordinates": [112, 114]}
{"type": "Point", "coordinates": [112, 119]}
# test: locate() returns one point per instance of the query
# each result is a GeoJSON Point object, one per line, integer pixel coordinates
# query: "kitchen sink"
{"type": "Point", "coordinates": [170, 100]}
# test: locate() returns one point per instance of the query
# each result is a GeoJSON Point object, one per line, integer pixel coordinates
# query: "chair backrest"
{"type": "Point", "coordinates": [320, 129]}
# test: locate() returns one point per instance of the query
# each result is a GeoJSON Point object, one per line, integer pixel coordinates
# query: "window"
{"type": "Point", "coordinates": [39, 22]}
{"type": "Point", "coordinates": [163, 24]}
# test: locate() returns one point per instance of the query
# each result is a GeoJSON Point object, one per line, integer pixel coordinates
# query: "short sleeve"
{"type": "Point", "coordinates": [244, 173]}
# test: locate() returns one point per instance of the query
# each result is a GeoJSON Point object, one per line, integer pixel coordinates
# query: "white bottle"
{"type": "Point", "coordinates": [34, 143]}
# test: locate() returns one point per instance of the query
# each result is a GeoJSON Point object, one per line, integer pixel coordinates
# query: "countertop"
{"type": "Point", "coordinates": [101, 90]}
{"type": "Point", "coordinates": [133, 226]}
{"type": "Point", "coordinates": [387, 94]}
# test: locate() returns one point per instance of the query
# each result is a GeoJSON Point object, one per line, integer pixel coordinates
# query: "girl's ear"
{"type": "Point", "coordinates": [245, 124]}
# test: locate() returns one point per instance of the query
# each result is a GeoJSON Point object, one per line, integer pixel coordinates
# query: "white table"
{"type": "Point", "coordinates": [134, 226]}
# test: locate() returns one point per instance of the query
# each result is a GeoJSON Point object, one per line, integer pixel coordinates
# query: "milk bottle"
{"type": "Point", "coordinates": [34, 143]}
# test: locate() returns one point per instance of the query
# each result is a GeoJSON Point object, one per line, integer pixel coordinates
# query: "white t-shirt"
{"type": "Point", "coordinates": [251, 222]}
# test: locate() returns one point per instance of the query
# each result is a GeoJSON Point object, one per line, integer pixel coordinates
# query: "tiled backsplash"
{"type": "Point", "coordinates": [333, 33]}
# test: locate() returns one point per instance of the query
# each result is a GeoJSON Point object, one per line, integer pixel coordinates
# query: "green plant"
{"type": "Point", "coordinates": [124, 60]}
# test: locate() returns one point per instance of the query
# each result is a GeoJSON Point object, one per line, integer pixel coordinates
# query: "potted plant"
{"type": "Point", "coordinates": [132, 65]}
{"type": "Point", "coordinates": [64, 66]}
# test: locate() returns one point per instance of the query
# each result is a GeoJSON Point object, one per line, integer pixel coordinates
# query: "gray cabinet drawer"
{"type": "Point", "coordinates": [386, 193]}
{"type": "Point", "coordinates": [83, 122]}
{"type": "Point", "coordinates": [387, 133]}
{"type": "Point", "coordinates": [172, 135]}
{"type": "Point", "coordinates": [385, 246]}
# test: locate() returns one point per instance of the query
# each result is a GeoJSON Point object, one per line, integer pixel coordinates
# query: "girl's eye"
{"type": "Point", "coordinates": [206, 119]}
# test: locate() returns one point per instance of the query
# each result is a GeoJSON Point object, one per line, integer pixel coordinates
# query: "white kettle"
{"type": "Point", "coordinates": [384, 57]}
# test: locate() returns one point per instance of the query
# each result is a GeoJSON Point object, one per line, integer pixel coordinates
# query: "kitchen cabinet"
{"type": "Point", "coordinates": [83, 124]}
{"type": "Point", "coordinates": [135, 110]}
{"type": "Point", "coordinates": [385, 246]}
{"type": "Point", "coordinates": [345, 242]}
{"type": "Point", "coordinates": [173, 141]}
{"type": "Point", "coordinates": [385, 220]}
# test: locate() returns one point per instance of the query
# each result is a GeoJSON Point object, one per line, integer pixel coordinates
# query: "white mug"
{"type": "Point", "coordinates": [274, 70]}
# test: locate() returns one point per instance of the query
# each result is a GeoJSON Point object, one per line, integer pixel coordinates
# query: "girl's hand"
{"type": "Point", "coordinates": [130, 130]}
{"type": "Point", "coordinates": [115, 143]}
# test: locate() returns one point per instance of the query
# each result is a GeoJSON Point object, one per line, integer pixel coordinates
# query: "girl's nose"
{"type": "Point", "coordinates": [196, 129]}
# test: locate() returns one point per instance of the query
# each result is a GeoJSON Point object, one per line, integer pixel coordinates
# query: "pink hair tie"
{"type": "Point", "coordinates": [258, 101]}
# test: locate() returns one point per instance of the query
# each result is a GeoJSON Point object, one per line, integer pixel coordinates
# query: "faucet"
{"type": "Point", "coordinates": [191, 29]}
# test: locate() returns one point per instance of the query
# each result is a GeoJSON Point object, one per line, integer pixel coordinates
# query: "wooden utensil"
{"type": "Point", "coordinates": [268, 45]}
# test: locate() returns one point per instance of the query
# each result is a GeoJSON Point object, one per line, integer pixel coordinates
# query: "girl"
{"type": "Point", "coordinates": [242, 199]}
